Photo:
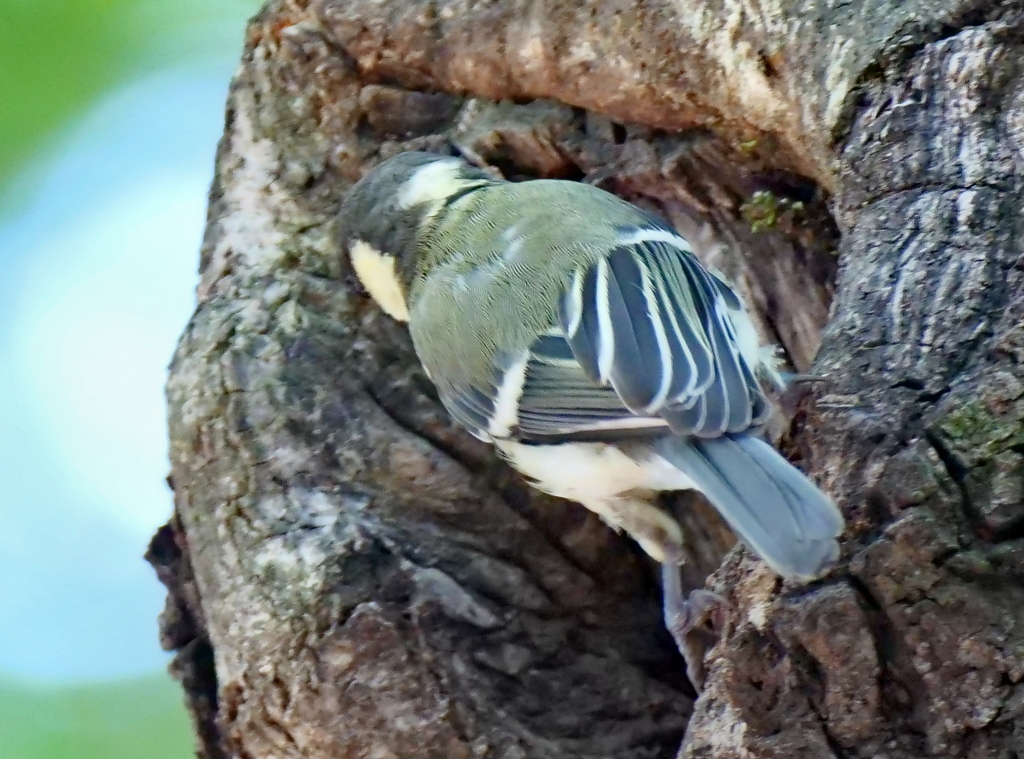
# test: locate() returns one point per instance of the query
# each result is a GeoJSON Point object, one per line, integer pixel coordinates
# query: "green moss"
{"type": "Point", "coordinates": [970, 421]}
{"type": "Point", "coordinates": [973, 429]}
{"type": "Point", "coordinates": [765, 210]}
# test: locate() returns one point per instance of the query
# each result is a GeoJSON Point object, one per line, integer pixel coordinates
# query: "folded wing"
{"type": "Point", "coordinates": [643, 341]}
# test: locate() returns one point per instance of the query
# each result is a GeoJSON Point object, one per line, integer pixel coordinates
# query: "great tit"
{"type": "Point", "coordinates": [582, 337]}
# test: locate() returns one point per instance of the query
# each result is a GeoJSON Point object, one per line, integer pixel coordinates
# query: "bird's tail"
{"type": "Point", "coordinates": [767, 501]}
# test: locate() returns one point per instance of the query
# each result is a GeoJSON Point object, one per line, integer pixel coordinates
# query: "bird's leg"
{"type": "Point", "coordinates": [685, 615]}
{"type": "Point", "coordinates": [662, 538]}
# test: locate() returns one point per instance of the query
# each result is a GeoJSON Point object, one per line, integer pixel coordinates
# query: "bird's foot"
{"type": "Point", "coordinates": [700, 608]}
{"type": "Point", "coordinates": [687, 620]}
{"type": "Point", "coordinates": [798, 387]}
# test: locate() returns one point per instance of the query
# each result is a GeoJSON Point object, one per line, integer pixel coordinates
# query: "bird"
{"type": "Point", "coordinates": [581, 336]}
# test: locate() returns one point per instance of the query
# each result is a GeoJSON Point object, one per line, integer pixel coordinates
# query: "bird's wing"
{"type": "Point", "coordinates": [560, 401]}
{"type": "Point", "coordinates": [543, 395]}
{"type": "Point", "coordinates": [644, 343]}
{"type": "Point", "coordinates": [649, 321]}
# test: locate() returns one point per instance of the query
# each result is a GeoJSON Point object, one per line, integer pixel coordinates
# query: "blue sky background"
{"type": "Point", "coordinates": [100, 223]}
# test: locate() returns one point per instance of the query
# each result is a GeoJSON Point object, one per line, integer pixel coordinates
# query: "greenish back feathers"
{"type": "Point", "coordinates": [498, 252]}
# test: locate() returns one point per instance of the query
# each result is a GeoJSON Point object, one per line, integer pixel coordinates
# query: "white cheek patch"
{"type": "Point", "coordinates": [377, 272]}
{"type": "Point", "coordinates": [434, 182]}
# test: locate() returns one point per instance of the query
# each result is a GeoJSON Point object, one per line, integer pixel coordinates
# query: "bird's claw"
{"type": "Point", "coordinates": [702, 607]}
{"type": "Point", "coordinates": [688, 626]}
{"type": "Point", "coordinates": [686, 617]}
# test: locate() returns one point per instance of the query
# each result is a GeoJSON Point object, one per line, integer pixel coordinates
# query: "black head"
{"type": "Point", "coordinates": [385, 212]}
{"type": "Point", "coordinates": [387, 207]}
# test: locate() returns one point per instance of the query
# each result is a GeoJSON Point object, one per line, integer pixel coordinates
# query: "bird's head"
{"type": "Point", "coordinates": [386, 212]}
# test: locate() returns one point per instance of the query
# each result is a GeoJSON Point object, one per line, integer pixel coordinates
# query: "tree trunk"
{"type": "Point", "coordinates": [350, 575]}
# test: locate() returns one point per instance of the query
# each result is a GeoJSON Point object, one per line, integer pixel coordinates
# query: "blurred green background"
{"type": "Point", "coordinates": [58, 56]}
{"type": "Point", "coordinates": [109, 115]}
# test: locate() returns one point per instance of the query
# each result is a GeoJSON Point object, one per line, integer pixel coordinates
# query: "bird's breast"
{"type": "Point", "coordinates": [592, 471]}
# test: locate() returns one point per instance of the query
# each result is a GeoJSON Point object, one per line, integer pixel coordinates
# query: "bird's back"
{"type": "Point", "coordinates": [489, 281]}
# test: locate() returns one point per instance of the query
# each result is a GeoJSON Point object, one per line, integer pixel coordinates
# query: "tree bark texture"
{"type": "Point", "coordinates": [350, 575]}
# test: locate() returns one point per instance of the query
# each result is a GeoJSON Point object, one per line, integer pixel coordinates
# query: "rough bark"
{"type": "Point", "coordinates": [352, 576]}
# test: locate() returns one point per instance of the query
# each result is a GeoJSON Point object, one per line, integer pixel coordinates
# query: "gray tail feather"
{"type": "Point", "coordinates": [768, 502]}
